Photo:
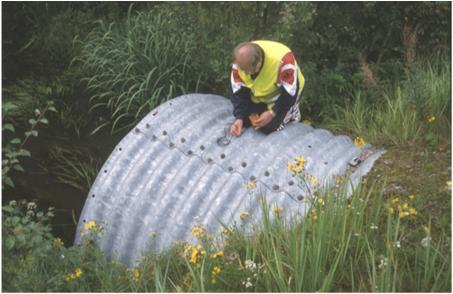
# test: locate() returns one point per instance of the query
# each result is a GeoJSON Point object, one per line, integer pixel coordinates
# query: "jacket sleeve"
{"type": "Point", "coordinates": [287, 81]}
{"type": "Point", "coordinates": [240, 94]}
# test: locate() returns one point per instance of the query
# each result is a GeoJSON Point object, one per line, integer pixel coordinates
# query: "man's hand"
{"type": "Point", "coordinates": [263, 120]}
{"type": "Point", "coordinates": [236, 127]}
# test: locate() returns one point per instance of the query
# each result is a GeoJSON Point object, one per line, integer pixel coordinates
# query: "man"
{"type": "Point", "coordinates": [267, 82]}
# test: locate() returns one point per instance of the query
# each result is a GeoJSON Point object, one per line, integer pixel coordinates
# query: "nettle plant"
{"type": "Point", "coordinates": [14, 149]}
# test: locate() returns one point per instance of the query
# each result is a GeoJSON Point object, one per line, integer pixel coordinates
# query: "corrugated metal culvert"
{"type": "Point", "coordinates": [178, 168]}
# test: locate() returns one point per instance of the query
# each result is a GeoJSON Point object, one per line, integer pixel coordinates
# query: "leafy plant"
{"type": "Point", "coordinates": [14, 149]}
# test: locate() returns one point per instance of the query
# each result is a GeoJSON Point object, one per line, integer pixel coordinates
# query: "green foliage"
{"type": "Point", "coordinates": [416, 111]}
{"type": "Point", "coordinates": [74, 168]}
{"type": "Point", "coordinates": [135, 66]}
{"type": "Point", "coordinates": [14, 149]}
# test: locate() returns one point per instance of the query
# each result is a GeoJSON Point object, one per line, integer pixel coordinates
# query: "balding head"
{"type": "Point", "coordinates": [247, 56]}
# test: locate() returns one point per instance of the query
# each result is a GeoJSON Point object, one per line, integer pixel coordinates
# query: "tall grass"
{"type": "Point", "coordinates": [135, 66]}
{"type": "Point", "coordinates": [416, 110]}
{"type": "Point", "coordinates": [343, 244]}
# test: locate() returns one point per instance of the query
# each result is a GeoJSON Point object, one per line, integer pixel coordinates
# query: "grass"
{"type": "Point", "coordinates": [73, 167]}
{"type": "Point", "coordinates": [135, 65]}
{"type": "Point", "coordinates": [344, 243]}
{"type": "Point", "coordinates": [415, 111]}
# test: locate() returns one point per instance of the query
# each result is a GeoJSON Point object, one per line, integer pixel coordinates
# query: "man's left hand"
{"type": "Point", "coordinates": [263, 120]}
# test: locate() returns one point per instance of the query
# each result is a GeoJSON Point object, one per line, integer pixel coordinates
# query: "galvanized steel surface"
{"type": "Point", "coordinates": [170, 173]}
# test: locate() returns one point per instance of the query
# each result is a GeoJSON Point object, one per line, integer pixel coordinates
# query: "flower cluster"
{"type": "Point", "coordinates": [77, 273]}
{"type": "Point", "coordinates": [217, 255]}
{"type": "Point", "coordinates": [359, 142]}
{"type": "Point", "coordinates": [252, 270]}
{"type": "Point", "coordinates": [215, 272]}
{"type": "Point", "coordinates": [431, 119]}
{"type": "Point", "coordinates": [194, 253]}
{"type": "Point", "coordinates": [57, 242]}
{"type": "Point", "coordinates": [244, 214]}
{"type": "Point", "coordinates": [278, 210]}
{"type": "Point", "coordinates": [250, 185]}
{"type": "Point", "coordinates": [298, 167]}
{"type": "Point", "coordinates": [198, 231]}
{"type": "Point", "coordinates": [402, 207]}
{"type": "Point", "coordinates": [135, 274]}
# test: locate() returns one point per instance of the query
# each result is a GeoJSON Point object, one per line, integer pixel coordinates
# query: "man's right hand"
{"type": "Point", "coordinates": [236, 127]}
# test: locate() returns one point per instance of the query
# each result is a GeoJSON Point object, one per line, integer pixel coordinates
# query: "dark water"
{"type": "Point", "coordinates": [39, 184]}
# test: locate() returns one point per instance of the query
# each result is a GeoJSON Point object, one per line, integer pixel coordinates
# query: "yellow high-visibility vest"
{"type": "Point", "coordinates": [264, 87]}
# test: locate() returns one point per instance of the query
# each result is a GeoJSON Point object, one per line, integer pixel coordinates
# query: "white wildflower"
{"type": "Point", "coordinates": [398, 244]}
{"type": "Point", "coordinates": [425, 241]}
{"type": "Point", "coordinates": [250, 264]}
{"type": "Point", "coordinates": [31, 206]}
{"type": "Point", "coordinates": [383, 262]}
{"type": "Point", "coordinates": [373, 227]}
{"type": "Point", "coordinates": [13, 203]}
{"type": "Point", "coordinates": [247, 283]}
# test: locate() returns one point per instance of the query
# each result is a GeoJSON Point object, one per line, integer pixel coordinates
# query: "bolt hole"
{"type": "Point", "coordinates": [244, 164]}
{"type": "Point", "coordinates": [105, 171]}
{"type": "Point", "coordinates": [120, 149]}
{"type": "Point", "coordinates": [230, 169]}
{"type": "Point", "coordinates": [154, 138]}
{"type": "Point", "coordinates": [155, 113]}
{"type": "Point", "coordinates": [202, 147]}
{"type": "Point", "coordinates": [325, 162]}
{"type": "Point", "coordinates": [266, 173]}
{"type": "Point", "coordinates": [291, 183]}
{"type": "Point", "coordinates": [300, 197]}
{"type": "Point", "coordinates": [222, 156]}
{"type": "Point", "coordinates": [137, 130]}
{"type": "Point", "coordinates": [183, 140]}
{"type": "Point", "coordinates": [84, 220]}
{"type": "Point", "coordinates": [252, 178]}
{"type": "Point", "coordinates": [171, 145]}
{"type": "Point", "coordinates": [209, 160]}
{"type": "Point", "coordinates": [164, 133]}
{"type": "Point", "coordinates": [93, 195]}
{"type": "Point", "coordinates": [275, 187]}
{"type": "Point", "coordinates": [147, 126]}
{"type": "Point", "coordinates": [309, 146]}
{"type": "Point", "coordinates": [189, 152]}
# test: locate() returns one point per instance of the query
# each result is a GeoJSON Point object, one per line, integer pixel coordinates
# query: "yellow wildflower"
{"type": "Point", "coordinates": [307, 122]}
{"type": "Point", "coordinates": [314, 181]}
{"type": "Point", "coordinates": [405, 205]}
{"type": "Point", "coordinates": [250, 185]}
{"type": "Point", "coordinates": [57, 242]}
{"type": "Point", "coordinates": [74, 275]}
{"type": "Point", "coordinates": [217, 255]}
{"type": "Point", "coordinates": [338, 180]}
{"type": "Point", "coordinates": [78, 273]}
{"type": "Point", "coordinates": [300, 160]}
{"type": "Point", "coordinates": [215, 271]}
{"type": "Point", "coordinates": [198, 231]}
{"type": "Point", "coordinates": [196, 253]}
{"type": "Point", "coordinates": [411, 197]}
{"type": "Point", "coordinates": [403, 214]}
{"type": "Point", "coordinates": [244, 214]}
{"type": "Point", "coordinates": [391, 210]}
{"type": "Point", "coordinates": [359, 142]}
{"type": "Point", "coordinates": [91, 225]}
{"type": "Point", "coordinates": [395, 200]}
{"type": "Point", "coordinates": [277, 210]}
{"type": "Point", "coordinates": [135, 274]}
{"type": "Point", "coordinates": [431, 119]}
{"type": "Point", "coordinates": [412, 211]}
{"type": "Point", "coordinates": [225, 232]}
{"type": "Point", "coordinates": [320, 200]}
